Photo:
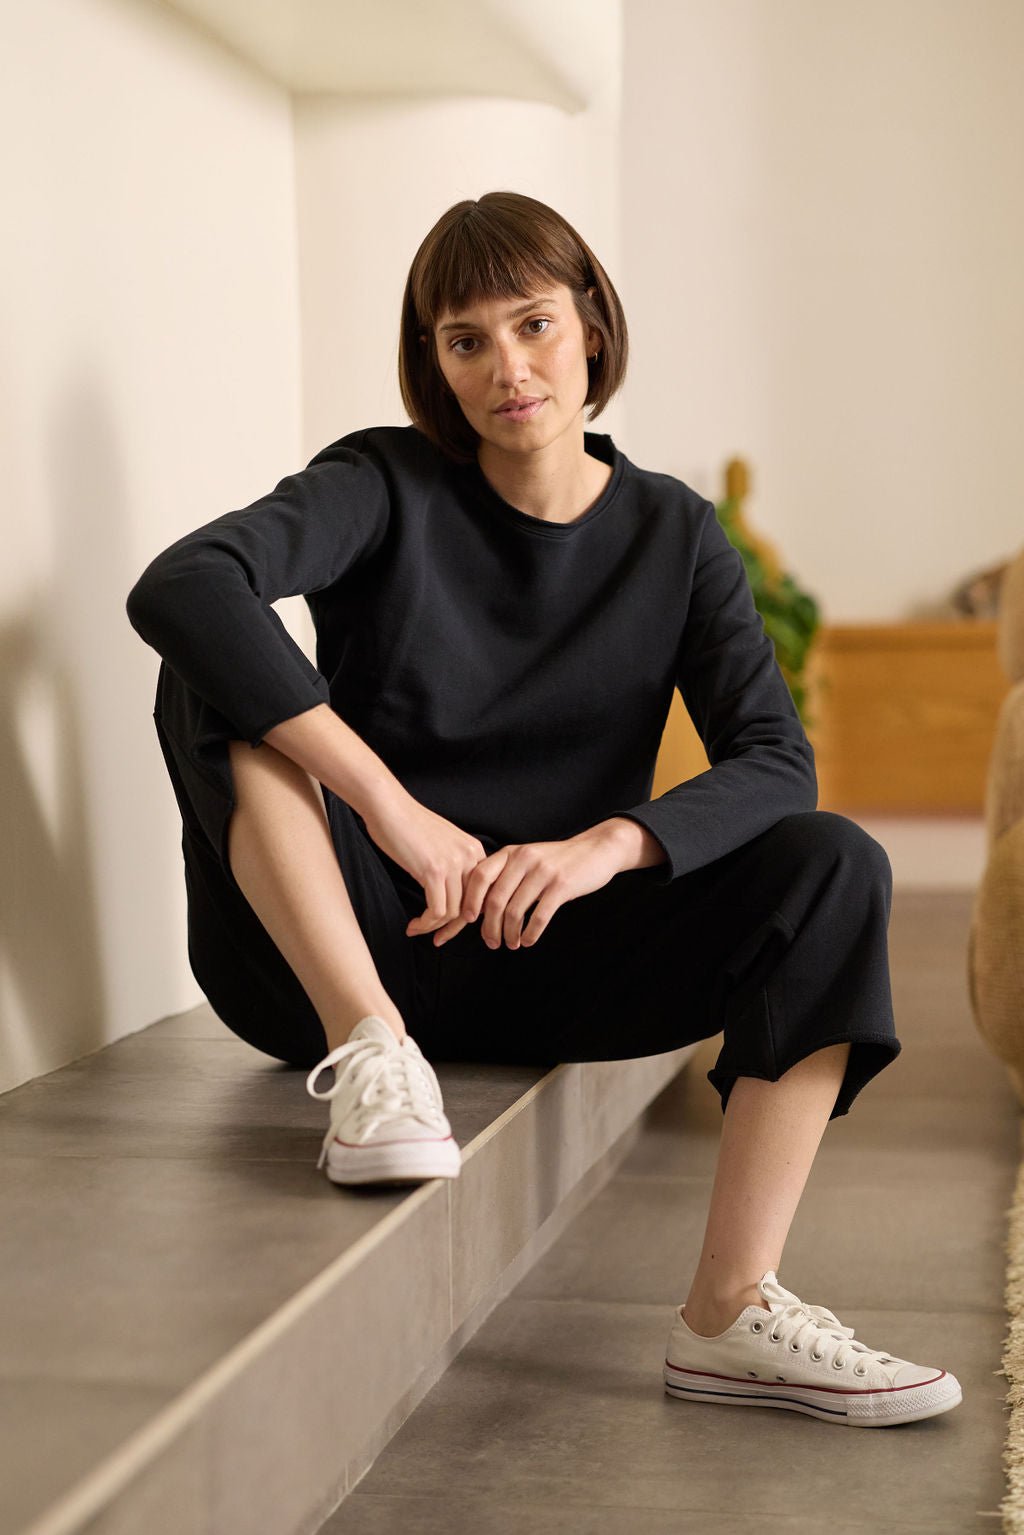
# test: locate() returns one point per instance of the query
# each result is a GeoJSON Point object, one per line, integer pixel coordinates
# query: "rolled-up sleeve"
{"type": "Point", "coordinates": [204, 603]}
{"type": "Point", "coordinates": [762, 764]}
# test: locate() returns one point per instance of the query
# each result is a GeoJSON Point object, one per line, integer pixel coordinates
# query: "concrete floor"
{"type": "Point", "coordinates": [554, 1419]}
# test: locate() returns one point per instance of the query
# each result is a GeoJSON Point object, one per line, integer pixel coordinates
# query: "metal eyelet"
{"type": "Point", "coordinates": [774, 1337]}
{"type": "Point", "coordinates": [839, 1364]}
{"type": "Point", "coordinates": [860, 1369]}
{"type": "Point", "coordinates": [816, 1356]}
{"type": "Point", "coordinates": [796, 1347]}
{"type": "Point", "coordinates": [753, 1374]}
{"type": "Point", "coordinates": [756, 1326]}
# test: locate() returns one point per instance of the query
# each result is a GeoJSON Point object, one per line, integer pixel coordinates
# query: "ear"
{"type": "Point", "coordinates": [593, 336]}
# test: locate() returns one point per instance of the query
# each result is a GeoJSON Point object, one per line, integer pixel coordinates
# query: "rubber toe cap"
{"type": "Point", "coordinates": [917, 1375]}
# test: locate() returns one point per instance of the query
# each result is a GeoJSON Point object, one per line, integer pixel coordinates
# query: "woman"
{"type": "Point", "coordinates": [444, 828]}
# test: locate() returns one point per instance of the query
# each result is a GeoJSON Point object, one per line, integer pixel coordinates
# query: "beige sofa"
{"type": "Point", "coordinates": [995, 949]}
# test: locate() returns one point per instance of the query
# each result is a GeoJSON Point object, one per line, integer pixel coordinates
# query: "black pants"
{"type": "Point", "coordinates": [781, 944]}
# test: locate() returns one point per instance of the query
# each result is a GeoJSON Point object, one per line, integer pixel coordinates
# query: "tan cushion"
{"type": "Point", "coordinates": [1004, 792]}
{"type": "Point", "coordinates": [1010, 629]}
{"type": "Point", "coordinates": [995, 954]}
{"type": "Point", "coordinates": [995, 944]}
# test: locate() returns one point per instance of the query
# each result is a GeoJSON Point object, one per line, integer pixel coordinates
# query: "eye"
{"type": "Point", "coordinates": [456, 345]}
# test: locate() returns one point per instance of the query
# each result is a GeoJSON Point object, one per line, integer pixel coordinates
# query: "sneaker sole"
{"type": "Point", "coordinates": [856, 1409]}
{"type": "Point", "coordinates": [409, 1162]}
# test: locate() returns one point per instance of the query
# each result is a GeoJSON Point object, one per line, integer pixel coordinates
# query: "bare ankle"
{"type": "Point", "coordinates": [338, 1033]}
{"type": "Point", "coordinates": [711, 1314]}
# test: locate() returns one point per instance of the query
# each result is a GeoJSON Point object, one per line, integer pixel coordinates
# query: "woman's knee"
{"type": "Point", "coordinates": [835, 838]}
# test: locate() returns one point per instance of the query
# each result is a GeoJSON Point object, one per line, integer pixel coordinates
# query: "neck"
{"type": "Point", "coordinates": [557, 483]}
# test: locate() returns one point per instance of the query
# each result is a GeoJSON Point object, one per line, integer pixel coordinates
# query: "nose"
{"type": "Point", "coordinates": [510, 363]}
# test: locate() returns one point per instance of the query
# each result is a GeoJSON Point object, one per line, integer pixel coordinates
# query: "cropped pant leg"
{"type": "Point", "coordinates": [781, 945]}
{"type": "Point", "coordinates": [241, 971]}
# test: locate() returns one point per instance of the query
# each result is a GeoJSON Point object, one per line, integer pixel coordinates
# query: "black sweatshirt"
{"type": "Point", "coordinates": [514, 674]}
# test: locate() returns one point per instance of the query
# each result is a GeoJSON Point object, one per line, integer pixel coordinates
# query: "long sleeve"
{"type": "Point", "coordinates": [762, 764]}
{"type": "Point", "coordinates": [204, 603]}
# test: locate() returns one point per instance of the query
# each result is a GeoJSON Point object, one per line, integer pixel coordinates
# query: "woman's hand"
{"type": "Point", "coordinates": [438, 854]}
{"type": "Point", "coordinates": [544, 875]}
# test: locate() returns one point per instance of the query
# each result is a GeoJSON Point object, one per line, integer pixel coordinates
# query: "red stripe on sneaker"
{"type": "Point", "coordinates": [741, 1380]}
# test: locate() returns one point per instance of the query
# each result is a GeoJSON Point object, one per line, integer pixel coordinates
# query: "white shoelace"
{"type": "Point", "coordinates": [378, 1081]}
{"type": "Point", "coordinates": [798, 1322]}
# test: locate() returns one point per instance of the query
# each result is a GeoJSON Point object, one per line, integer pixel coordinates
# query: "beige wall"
{"type": "Point", "coordinates": [158, 369]}
{"type": "Point", "coordinates": [372, 178]}
{"type": "Point", "coordinates": [821, 228]}
{"type": "Point", "coordinates": [150, 382]}
{"type": "Point", "coordinates": [823, 225]}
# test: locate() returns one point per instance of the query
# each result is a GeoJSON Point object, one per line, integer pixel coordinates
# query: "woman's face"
{"type": "Point", "coordinates": [532, 349]}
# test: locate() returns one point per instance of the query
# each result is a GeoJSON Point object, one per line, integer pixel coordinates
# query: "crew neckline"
{"type": "Point", "coordinates": [598, 445]}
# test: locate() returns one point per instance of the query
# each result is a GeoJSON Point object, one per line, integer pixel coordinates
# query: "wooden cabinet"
{"type": "Point", "coordinates": [902, 718]}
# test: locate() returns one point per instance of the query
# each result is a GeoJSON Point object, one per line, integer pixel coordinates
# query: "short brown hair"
{"type": "Point", "coordinates": [503, 245]}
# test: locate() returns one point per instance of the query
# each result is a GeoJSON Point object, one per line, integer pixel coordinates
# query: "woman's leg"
{"type": "Point", "coordinates": [770, 1136]}
{"type": "Point", "coordinates": [284, 861]}
{"type": "Point", "coordinates": [783, 943]}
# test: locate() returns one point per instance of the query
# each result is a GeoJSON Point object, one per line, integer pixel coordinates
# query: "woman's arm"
{"type": "Point", "coordinates": [321, 742]}
{"type": "Point", "coordinates": [435, 851]}
{"type": "Point", "coordinates": [762, 764]}
{"type": "Point", "coordinates": [204, 603]}
{"type": "Point", "coordinates": [638, 847]}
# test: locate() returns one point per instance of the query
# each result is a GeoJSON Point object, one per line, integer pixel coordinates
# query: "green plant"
{"type": "Point", "coordinates": [791, 615]}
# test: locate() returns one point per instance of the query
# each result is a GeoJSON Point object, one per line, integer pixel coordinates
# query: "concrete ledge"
{"type": "Point", "coordinates": [212, 1338]}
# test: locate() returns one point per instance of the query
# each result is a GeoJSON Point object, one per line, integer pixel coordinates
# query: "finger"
{"type": "Point", "coordinates": [494, 913]}
{"type": "Point", "coordinates": [469, 890]}
{"type": "Point", "coordinates": [515, 915]}
{"type": "Point", "coordinates": [529, 890]}
{"type": "Point", "coordinates": [542, 913]}
{"type": "Point", "coordinates": [452, 923]}
{"type": "Point", "coordinates": [485, 880]}
{"type": "Point", "coordinates": [479, 882]}
{"type": "Point", "coordinates": [450, 930]}
{"type": "Point", "coordinates": [436, 910]}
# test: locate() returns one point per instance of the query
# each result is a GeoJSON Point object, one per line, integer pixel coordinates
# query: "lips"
{"type": "Point", "coordinates": [520, 409]}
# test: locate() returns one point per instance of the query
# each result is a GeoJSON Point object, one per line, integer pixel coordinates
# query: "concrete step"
{"type": "Point", "coordinates": [201, 1333]}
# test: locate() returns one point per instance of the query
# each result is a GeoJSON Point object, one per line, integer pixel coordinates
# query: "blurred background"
{"type": "Point", "coordinates": [813, 213]}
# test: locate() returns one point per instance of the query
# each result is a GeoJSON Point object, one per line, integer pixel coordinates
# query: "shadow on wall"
{"type": "Point", "coordinates": [49, 950]}
{"type": "Point", "coordinates": [71, 686]}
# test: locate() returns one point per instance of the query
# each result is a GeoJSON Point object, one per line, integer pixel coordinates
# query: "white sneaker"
{"type": "Point", "coordinates": [802, 1357]}
{"type": "Point", "coordinates": [387, 1120]}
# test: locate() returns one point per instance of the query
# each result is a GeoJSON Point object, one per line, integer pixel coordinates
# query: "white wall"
{"type": "Point", "coordinates": [156, 374]}
{"type": "Point", "coordinates": [823, 214]}
{"type": "Point", "coordinates": [148, 305]}
{"type": "Point", "coordinates": [201, 287]}
{"type": "Point", "coordinates": [372, 179]}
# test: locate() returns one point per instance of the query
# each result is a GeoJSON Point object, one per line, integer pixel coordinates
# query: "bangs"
{"type": "Point", "coordinates": [480, 257]}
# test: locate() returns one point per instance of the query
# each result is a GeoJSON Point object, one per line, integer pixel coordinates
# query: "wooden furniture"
{"type": "Point", "coordinates": [902, 718]}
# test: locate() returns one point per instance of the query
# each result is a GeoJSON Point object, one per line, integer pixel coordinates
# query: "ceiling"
{"type": "Point", "coordinates": [561, 53]}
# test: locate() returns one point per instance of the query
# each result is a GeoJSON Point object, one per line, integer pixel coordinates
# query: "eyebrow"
{"type": "Point", "coordinates": [513, 314]}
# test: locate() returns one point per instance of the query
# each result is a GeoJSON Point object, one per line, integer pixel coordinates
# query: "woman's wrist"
{"type": "Point", "coordinates": [639, 848]}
